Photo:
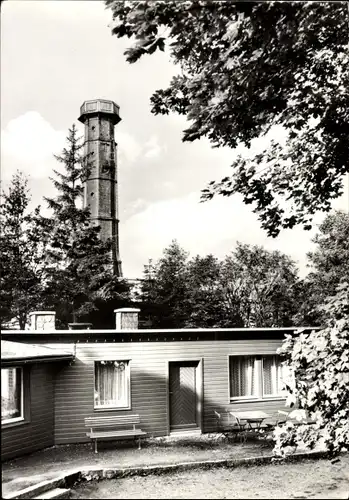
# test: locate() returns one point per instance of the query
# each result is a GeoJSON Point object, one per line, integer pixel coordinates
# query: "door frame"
{"type": "Point", "coordinates": [199, 386]}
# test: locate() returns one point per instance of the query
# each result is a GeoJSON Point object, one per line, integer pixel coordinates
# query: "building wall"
{"type": "Point", "coordinates": [74, 398]}
{"type": "Point", "coordinates": [37, 431]}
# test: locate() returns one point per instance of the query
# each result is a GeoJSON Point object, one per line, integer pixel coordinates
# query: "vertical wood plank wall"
{"type": "Point", "coordinates": [38, 432]}
{"type": "Point", "coordinates": [74, 390]}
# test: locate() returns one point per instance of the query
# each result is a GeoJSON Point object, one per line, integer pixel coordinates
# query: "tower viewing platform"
{"type": "Point", "coordinates": [100, 106]}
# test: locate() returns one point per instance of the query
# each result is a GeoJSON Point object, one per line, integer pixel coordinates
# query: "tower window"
{"type": "Point", "coordinates": [93, 127]}
{"type": "Point", "coordinates": [92, 195]}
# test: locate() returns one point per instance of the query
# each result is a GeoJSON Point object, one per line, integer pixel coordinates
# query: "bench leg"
{"type": "Point", "coordinates": [139, 443]}
{"type": "Point", "coordinates": [96, 446]}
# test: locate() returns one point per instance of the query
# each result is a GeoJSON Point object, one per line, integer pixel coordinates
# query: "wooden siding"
{"type": "Point", "coordinates": [74, 394]}
{"type": "Point", "coordinates": [38, 431]}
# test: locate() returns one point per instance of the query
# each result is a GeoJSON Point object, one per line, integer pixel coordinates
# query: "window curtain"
{"type": "Point", "coordinates": [272, 376]}
{"type": "Point", "coordinates": [242, 376]}
{"type": "Point", "coordinates": [11, 382]}
{"type": "Point", "coordinates": [111, 383]}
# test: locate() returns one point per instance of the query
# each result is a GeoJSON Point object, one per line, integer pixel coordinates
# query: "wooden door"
{"type": "Point", "coordinates": [183, 390]}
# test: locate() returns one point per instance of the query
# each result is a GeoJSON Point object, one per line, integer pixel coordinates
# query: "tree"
{"type": "Point", "coordinates": [262, 285]}
{"type": "Point", "coordinates": [23, 246]}
{"type": "Point", "coordinates": [79, 271]}
{"type": "Point", "coordinates": [320, 363]}
{"type": "Point", "coordinates": [165, 289]}
{"type": "Point", "coordinates": [250, 287]}
{"type": "Point", "coordinates": [329, 266]}
{"type": "Point", "coordinates": [206, 307]}
{"type": "Point", "coordinates": [330, 260]}
{"type": "Point", "coordinates": [246, 67]}
{"type": "Point", "coordinates": [177, 292]}
{"type": "Point", "coordinates": [147, 298]}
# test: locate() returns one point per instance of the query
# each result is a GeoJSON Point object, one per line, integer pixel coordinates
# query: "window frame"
{"type": "Point", "coordinates": [259, 381]}
{"type": "Point", "coordinates": [99, 408]}
{"type": "Point", "coordinates": [21, 418]}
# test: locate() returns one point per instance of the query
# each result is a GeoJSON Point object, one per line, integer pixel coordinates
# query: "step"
{"type": "Point", "coordinates": [55, 493]}
{"type": "Point", "coordinates": [185, 433]}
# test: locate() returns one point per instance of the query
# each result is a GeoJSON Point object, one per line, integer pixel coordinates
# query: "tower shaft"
{"type": "Point", "coordinates": [101, 186]}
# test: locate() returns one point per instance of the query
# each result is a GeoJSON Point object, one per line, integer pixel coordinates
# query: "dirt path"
{"type": "Point", "coordinates": [306, 479]}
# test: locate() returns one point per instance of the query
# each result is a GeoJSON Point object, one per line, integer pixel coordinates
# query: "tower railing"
{"type": "Point", "coordinates": [99, 105]}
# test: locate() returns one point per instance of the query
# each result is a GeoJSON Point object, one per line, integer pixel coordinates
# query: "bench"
{"type": "Point", "coordinates": [119, 427]}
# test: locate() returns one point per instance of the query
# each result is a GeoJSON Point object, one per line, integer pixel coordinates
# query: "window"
{"type": "Point", "coordinates": [11, 395]}
{"type": "Point", "coordinates": [112, 384]}
{"type": "Point", "coordinates": [256, 377]}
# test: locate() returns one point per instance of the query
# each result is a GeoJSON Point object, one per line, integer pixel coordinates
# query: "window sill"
{"type": "Point", "coordinates": [257, 400]}
{"type": "Point", "coordinates": [7, 425]}
{"type": "Point", "coordinates": [108, 408]}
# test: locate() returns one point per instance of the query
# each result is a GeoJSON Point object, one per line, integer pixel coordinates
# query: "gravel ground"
{"type": "Point", "coordinates": [305, 479]}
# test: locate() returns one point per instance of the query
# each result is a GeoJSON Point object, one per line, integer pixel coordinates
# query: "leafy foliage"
{"type": "Point", "coordinates": [262, 284]}
{"type": "Point", "coordinates": [23, 246]}
{"type": "Point", "coordinates": [330, 260]}
{"type": "Point", "coordinates": [250, 287]}
{"type": "Point", "coordinates": [244, 68]}
{"type": "Point", "coordinates": [207, 307]}
{"type": "Point", "coordinates": [320, 362]}
{"type": "Point", "coordinates": [329, 266]}
{"type": "Point", "coordinates": [164, 291]}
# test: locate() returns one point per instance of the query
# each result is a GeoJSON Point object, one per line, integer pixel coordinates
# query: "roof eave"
{"type": "Point", "coordinates": [36, 359]}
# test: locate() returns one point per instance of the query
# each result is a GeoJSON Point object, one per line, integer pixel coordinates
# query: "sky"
{"type": "Point", "coordinates": [55, 54]}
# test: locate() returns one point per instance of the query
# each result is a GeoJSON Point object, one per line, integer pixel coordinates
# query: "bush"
{"type": "Point", "coordinates": [320, 363]}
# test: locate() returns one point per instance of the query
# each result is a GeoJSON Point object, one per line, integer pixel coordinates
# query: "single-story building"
{"type": "Point", "coordinates": [28, 374]}
{"type": "Point", "coordinates": [174, 379]}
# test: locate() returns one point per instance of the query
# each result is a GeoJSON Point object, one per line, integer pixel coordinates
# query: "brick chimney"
{"type": "Point", "coordinates": [42, 320]}
{"type": "Point", "coordinates": [126, 318]}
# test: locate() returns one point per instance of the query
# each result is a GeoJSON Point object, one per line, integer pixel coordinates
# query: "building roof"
{"type": "Point", "coordinates": [149, 335]}
{"type": "Point", "coordinates": [24, 353]}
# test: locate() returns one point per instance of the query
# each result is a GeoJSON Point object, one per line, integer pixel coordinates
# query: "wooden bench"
{"type": "Point", "coordinates": [119, 427]}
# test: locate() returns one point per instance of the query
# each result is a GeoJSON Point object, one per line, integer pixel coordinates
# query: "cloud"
{"type": "Point", "coordinates": [70, 11]}
{"type": "Point", "coordinates": [152, 148]}
{"type": "Point", "coordinates": [128, 148]}
{"type": "Point", "coordinates": [28, 143]}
